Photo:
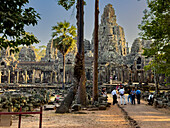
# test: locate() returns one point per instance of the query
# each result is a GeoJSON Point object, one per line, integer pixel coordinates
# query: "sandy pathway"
{"type": "Point", "coordinates": [110, 118]}
{"type": "Point", "coordinates": [147, 116]}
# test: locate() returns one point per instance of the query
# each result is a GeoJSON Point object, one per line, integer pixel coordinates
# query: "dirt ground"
{"type": "Point", "coordinates": [110, 118]}
{"type": "Point", "coordinates": [145, 116]}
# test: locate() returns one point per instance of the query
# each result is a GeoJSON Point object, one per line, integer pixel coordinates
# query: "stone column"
{"type": "Point", "coordinates": [0, 76]}
{"type": "Point", "coordinates": [136, 76]}
{"type": "Point", "coordinates": [51, 77]}
{"type": "Point", "coordinates": [33, 76]}
{"type": "Point", "coordinates": [26, 76]}
{"type": "Point", "coordinates": [133, 78]}
{"type": "Point", "coordinates": [55, 77]}
{"type": "Point", "coordinates": [41, 79]}
{"type": "Point", "coordinates": [142, 76]}
{"type": "Point", "coordinates": [9, 76]}
{"type": "Point", "coordinates": [122, 79]}
{"type": "Point", "coordinates": [119, 78]}
{"type": "Point", "coordinates": [17, 77]}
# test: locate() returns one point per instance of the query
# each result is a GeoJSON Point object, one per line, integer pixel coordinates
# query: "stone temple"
{"type": "Point", "coordinates": [115, 59]}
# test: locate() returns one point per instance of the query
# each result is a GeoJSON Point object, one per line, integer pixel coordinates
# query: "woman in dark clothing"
{"type": "Point", "coordinates": [133, 95]}
{"type": "Point", "coordinates": [114, 96]}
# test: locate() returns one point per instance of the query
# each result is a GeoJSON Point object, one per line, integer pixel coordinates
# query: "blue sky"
{"type": "Point", "coordinates": [129, 14]}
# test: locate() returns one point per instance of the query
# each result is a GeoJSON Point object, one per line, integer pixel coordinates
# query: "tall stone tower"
{"type": "Point", "coordinates": [51, 52]}
{"type": "Point", "coordinates": [111, 36]}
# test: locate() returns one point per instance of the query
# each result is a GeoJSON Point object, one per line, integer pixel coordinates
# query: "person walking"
{"type": "Point", "coordinates": [114, 96]}
{"type": "Point", "coordinates": [122, 96]}
{"type": "Point", "coordinates": [138, 94]}
{"type": "Point", "coordinates": [129, 95]}
{"type": "Point", "coordinates": [133, 96]}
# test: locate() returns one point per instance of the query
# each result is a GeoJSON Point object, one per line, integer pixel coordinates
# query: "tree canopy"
{"type": "Point", "coordinates": [67, 4]}
{"type": "Point", "coordinates": [64, 37]}
{"type": "Point", "coordinates": [155, 26]}
{"type": "Point", "coordinates": [40, 52]}
{"type": "Point", "coordinates": [14, 16]}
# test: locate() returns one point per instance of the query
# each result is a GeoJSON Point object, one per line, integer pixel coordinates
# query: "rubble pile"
{"type": "Point", "coordinates": [161, 100]}
{"type": "Point", "coordinates": [28, 100]}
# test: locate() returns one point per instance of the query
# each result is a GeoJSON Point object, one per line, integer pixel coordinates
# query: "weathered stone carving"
{"type": "Point", "coordinates": [27, 54]}
{"type": "Point", "coordinates": [51, 52]}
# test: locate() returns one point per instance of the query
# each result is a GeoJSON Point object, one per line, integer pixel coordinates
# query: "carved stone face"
{"type": "Point", "coordinates": [108, 16]}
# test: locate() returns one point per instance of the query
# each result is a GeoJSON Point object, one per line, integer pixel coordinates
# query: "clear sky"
{"type": "Point", "coordinates": [129, 14]}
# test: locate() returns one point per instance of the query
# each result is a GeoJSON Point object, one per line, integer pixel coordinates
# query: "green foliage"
{"type": "Point", "coordinates": [41, 52]}
{"type": "Point", "coordinates": [14, 16]}
{"type": "Point", "coordinates": [67, 4]}
{"type": "Point", "coordinates": [155, 26]}
{"type": "Point", "coordinates": [64, 37]}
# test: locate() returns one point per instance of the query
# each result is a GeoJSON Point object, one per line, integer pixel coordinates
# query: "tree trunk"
{"type": "Point", "coordinates": [79, 67]}
{"type": "Point", "coordinates": [95, 73]}
{"type": "Point", "coordinates": [67, 102]}
{"type": "Point", "coordinates": [157, 83]}
{"type": "Point", "coordinates": [82, 84]}
{"type": "Point", "coordinates": [63, 86]}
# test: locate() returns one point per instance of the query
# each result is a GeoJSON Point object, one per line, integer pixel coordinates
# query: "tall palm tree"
{"type": "Point", "coordinates": [64, 40]}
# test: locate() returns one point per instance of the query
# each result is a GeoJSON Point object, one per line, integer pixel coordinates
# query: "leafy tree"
{"type": "Point", "coordinates": [14, 16]}
{"type": "Point", "coordinates": [40, 52]}
{"type": "Point", "coordinates": [155, 26]}
{"type": "Point", "coordinates": [64, 40]}
{"type": "Point", "coordinates": [67, 4]}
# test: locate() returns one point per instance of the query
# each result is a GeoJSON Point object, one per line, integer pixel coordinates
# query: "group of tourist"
{"type": "Point", "coordinates": [131, 95]}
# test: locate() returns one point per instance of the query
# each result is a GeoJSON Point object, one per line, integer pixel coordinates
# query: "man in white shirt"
{"type": "Point", "coordinates": [121, 92]}
{"type": "Point", "coordinates": [114, 96]}
{"type": "Point", "coordinates": [150, 99]}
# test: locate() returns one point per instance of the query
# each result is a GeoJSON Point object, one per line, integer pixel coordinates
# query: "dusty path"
{"type": "Point", "coordinates": [110, 118]}
{"type": "Point", "coordinates": [147, 116]}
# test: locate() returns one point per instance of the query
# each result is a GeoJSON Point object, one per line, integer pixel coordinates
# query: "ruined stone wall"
{"type": "Point", "coordinates": [27, 54]}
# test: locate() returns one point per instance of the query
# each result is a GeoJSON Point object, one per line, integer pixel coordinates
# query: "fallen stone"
{"type": "Point", "coordinates": [76, 107]}
{"type": "Point", "coordinates": [102, 107]}
{"type": "Point", "coordinates": [92, 109]}
{"type": "Point", "coordinates": [49, 107]}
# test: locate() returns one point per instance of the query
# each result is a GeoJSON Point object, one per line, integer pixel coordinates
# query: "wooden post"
{"type": "Point", "coordinates": [40, 117]}
{"type": "Point", "coordinates": [19, 123]}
